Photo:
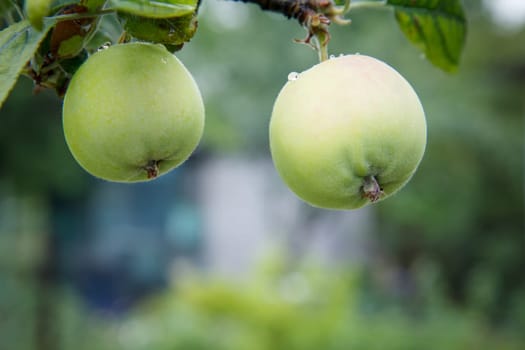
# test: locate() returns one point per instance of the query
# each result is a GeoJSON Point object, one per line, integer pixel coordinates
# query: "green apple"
{"type": "Point", "coordinates": [132, 112]}
{"type": "Point", "coordinates": [347, 132]}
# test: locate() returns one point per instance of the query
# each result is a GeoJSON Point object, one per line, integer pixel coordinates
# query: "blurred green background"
{"type": "Point", "coordinates": [220, 255]}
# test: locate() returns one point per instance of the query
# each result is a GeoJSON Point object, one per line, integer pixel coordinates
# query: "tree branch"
{"type": "Point", "coordinates": [314, 15]}
{"type": "Point", "coordinates": [297, 9]}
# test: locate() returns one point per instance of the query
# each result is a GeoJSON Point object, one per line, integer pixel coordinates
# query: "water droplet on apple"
{"type": "Point", "coordinates": [293, 76]}
{"type": "Point", "coordinates": [104, 46]}
{"type": "Point", "coordinates": [332, 57]}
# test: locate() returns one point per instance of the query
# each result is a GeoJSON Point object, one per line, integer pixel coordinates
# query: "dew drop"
{"type": "Point", "coordinates": [164, 60]}
{"type": "Point", "coordinates": [357, 53]}
{"type": "Point", "coordinates": [422, 56]}
{"type": "Point", "coordinates": [293, 76]}
{"type": "Point", "coordinates": [341, 54]}
{"type": "Point", "coordinates": [104, 46]}
{"type": "Point", "coordinates": [332, 57]}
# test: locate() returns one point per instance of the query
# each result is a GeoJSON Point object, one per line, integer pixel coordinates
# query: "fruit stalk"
{"type": "Point", "coordinates": [322, 45]}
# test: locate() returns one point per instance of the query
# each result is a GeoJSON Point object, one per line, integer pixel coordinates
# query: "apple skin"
{"type": "Point", "coordinates": [347, 132]}
{"type": "Point", "coordinates": [132, 112]}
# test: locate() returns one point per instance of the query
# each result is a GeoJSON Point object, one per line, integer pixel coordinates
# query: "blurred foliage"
{"type": "Point", "coordinates": [302, 309]}
{"type": "Point", "coordinates": [33, 154]}
{"type": "Point", "coordinates": [72, 324]}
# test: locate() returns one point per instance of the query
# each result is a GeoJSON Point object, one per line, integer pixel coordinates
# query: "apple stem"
{"type": "Point", "coordinates": [152, 168]}
{"type": "Point", "coordinates": [322, 45]}
{"type": "Point", "coordinates": [371, 189]}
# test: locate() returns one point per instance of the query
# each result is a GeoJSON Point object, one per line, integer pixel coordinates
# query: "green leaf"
{"type": "Point", "coordinates": [18, 44]}
{"type": "Point", "coordinates": [437, 27]}
{"type": "Point", "coordinates": [156, 8]}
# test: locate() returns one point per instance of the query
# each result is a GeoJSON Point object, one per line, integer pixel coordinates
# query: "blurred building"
{"type": "Point", "coordinates": [223, 215]}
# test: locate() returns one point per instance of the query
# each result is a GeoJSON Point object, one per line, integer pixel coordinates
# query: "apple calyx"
{"type": "Point", "coordinates": [152, 168]}
{"type": "Point", "coordinates": [371, 189]}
